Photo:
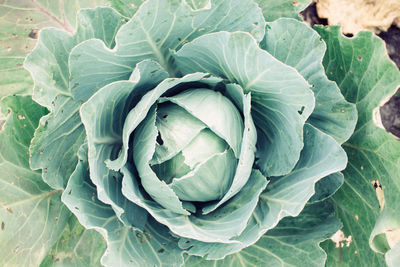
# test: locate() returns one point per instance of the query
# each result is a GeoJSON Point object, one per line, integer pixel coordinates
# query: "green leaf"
{"type": "Point", "coordinates": [296, 44]}
{"type": "Point", "coordinates": [275, 9]}
{"type": "Point", "coordinates": [153, 246]}
{"type": "Point", "coordinates": [247, 154]}
{"type": "Point", "coordinates": [104, 117]}
{"type": "Point", "coordinates": [140, 108]}
{"type": "Point", "coordinates": [61, 133]}
{"type": "Point", "coordinates": [76, 247]}
{"type": "Point", "coordinates": [20, 22]}
{"type": "Point", "coordinates": [393, 256]}
{"type": "Point", "coordinates": [56, 141]}
{"type": "Point", "coordinates": [293, 242]}
{"type": "Point", "coordinates": [158, 27]}
{"type": "Point", "coordinates": [208, 181]}
{"type": "Point", "coordinates": [278, 92]}
{"type": "Point", "coordinates": [366, 77]}
{"type": "Point", "coordinates": [216, 111]}
{"type": "Point", "coordinates": [144, 143]}
{"type": "Point", "coordinates": [227, 221]}
{"type": "Point", "coordinates": [284, 196]}
{"type": "Point", "coordinates": [177, 129]}
{"type": "Point", "coordinates": [197, 4]}
{"type": "Point", "coordinates": [126, 7]}
{"type": "Point", "coordinates": [327, 186]}
{"type": "Point", "coordinates": [31, 214]}
{"type": "Point", "coordinates": [48, 62]}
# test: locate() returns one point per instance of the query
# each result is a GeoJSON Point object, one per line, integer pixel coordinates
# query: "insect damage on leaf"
{"type": "Point", "coordinates": [379, 193]}
{"type": "Point", "coordinates": [341, 240]}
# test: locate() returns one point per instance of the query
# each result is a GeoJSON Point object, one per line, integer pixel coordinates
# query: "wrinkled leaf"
{"type": "Point", "coordinates": [293, 242]}
{"type": "Point", "coordinates": [278, 92]}
{"type": "Point", "coordinates": [61, 132]}
{"type": "Point", "coordinates": [76, 247]}
{"type": "Point", "coordinates": [366, 77]}
{"type": "Point", "coordinates": [20, 22]}
{"type": "Point", "coordinates": [158, 27]}
{"type": "Point", "coordinates": [297, 45]}
{"type": "Point", "coordinates": [275, 9]}
{"type": "Point", "coordinates": [31, 214]}
{"type": "Point", "coordinates": [285, 195]}
{"type": "Point", "coordinates": [126, 7]}
{"type": "Point", "coordinates": [125, 245]}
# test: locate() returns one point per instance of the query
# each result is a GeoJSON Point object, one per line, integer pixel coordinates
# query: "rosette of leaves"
{"type": "Point", "coordinates": [190, 133]}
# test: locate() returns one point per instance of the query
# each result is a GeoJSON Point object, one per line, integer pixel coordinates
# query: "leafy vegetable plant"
{"type": "Point", "coordinates": [197, 133]}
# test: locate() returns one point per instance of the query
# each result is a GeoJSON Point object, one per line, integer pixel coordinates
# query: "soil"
{"type": "Point", "coordinates": [390, 112]}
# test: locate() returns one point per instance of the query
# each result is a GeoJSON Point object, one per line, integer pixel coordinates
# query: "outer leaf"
{"type": "Point", "coordinates": [275, 9]}
{"type": "Point", "coordinates": [61, 133]}
{"type": "Point", "coordinates": [20, 22]}
{"type": "Point", "coordinates": [104, 117]}
{"type": "Point", "coordinates": [48, 63]}
{"type": "Point", "coordinates": [76, 247]}
{"type": "Point", "coordinates": [278, 93]}
{"type": "Point", "coordinates": [284, 196]}
{"type": "Point", "coordinates": [31, 214]}
{"type": "Point", "coordinates": [198, 4]}
{"type": "Point", "coordinates": [327, 186]}
{"type": "Point", "coordinates": [218, 226]}
{"type": "Point", "coordinates": [126, 7]}
{"type": "Point", "coordinates": [297, 45]}
{"type": "Point", "coordinates": [293, 242]}
{"type": "Point", "coordinates": [159, 27]}
{"type": "Point", "coordinates": [393, 256]}
{"type": "Point", "coordinates": [125, 246]}
{"type": "Point", "coordinates": [366, 76]}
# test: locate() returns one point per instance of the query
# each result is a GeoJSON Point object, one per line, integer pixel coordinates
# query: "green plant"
{"type": "Point", "coordinates": [195, 133]}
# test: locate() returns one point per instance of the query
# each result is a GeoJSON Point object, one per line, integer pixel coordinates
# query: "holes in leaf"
{"type": "Point", "coordinates": [379, 193]}
{"type": "Point", "coordinates": [34, 34]}
{"type": "Point", "coordinates": [341, 240]}
{"type": "Point", "coordinates": [159, 139]}
{"type": "Point", "coordinates": [301, 110]}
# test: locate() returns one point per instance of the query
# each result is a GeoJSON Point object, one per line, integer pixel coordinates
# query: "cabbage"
{"type": "Point", "coordinates": [194, 133]}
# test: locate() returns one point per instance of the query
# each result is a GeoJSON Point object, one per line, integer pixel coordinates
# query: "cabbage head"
{"type": "Point", "coordinates": [192, 133]}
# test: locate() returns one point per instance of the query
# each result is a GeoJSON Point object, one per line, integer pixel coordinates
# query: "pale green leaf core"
{"type": "Point", "coordinates": [202, 165]}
